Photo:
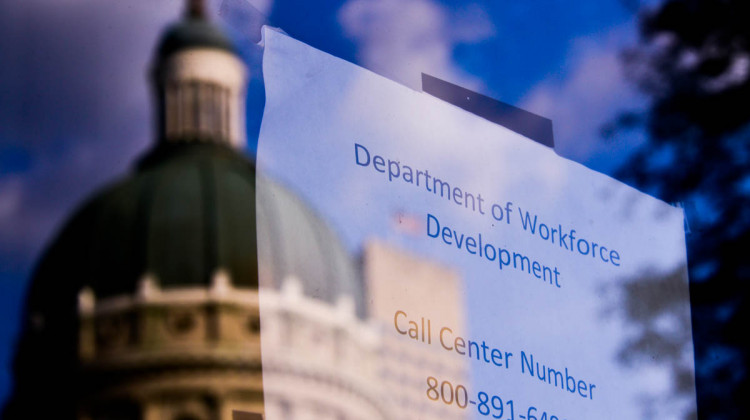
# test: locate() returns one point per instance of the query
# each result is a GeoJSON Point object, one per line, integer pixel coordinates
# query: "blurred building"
{"type": "Point", "coordinates": [148, 306]}
{"type": "Point", "coordinates": [423, 290]}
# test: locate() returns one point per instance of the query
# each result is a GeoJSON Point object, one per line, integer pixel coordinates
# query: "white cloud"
{"type": "Point", "coordinates": [400, 39]}
{"type": "Point", "coordinates": [591, 93]}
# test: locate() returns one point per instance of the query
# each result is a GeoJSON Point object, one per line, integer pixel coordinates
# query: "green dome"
{"type": "Point", "coordinates": [295, 242]}
{"type": "Point", "coordinates": [194, 32]}
{"type": "Point", "coordinates": [190, 210]}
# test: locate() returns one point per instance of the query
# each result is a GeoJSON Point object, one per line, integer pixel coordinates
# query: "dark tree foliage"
{"type": "Point", "coordinates": [694, 63]}
{"type": "Point", "coordinates": [654, 302]}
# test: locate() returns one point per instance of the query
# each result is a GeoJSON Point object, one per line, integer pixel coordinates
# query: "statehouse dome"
{"type": "Point", "coordinates": [114, 302]}
{"type": "Point", "coordinates": [188, 211]}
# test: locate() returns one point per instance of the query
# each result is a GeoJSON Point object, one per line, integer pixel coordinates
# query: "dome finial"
{"type": "Point", "coordinates": [195, 9]}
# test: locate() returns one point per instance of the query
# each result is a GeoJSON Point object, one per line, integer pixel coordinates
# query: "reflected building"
{"type": "Point", "coordinates": [430, 295]}
{"type": "Point", "coordinates": [148, 304]}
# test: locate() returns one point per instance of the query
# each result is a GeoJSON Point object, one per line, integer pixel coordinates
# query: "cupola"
{"type": "Point", "coordinates": [199, 83]}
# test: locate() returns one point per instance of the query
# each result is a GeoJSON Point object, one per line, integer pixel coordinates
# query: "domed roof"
{"type": "Point", "coordinates": [193, 32]}
{"type": "Point", "coordinates": [297, 244]}
{"type": "Point", "coordinates": [190, 210]}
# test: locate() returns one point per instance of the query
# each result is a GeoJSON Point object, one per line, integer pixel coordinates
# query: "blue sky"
{"type": "Point", "coordinates": [75, 110]}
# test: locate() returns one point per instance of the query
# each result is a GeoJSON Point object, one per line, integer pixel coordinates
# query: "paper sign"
{"type": "Point", "coordinates": [434, 265]}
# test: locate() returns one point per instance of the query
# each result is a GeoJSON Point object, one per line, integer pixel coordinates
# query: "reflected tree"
{"type": "Point", "coordinates": [655, 303]}
{"type": "Point", "coordinates": [693, 60]}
